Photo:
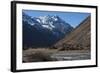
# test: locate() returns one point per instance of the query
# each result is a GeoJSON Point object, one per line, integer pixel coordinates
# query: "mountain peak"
{"type": "Point", "coordinates": [50, 22]}
{"type": "Point", "coordinates": [50, 27]}
{"type": "Point", "coordinates": [49, 17]}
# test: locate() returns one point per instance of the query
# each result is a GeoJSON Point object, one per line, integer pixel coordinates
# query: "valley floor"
{"type": "Point", "coordinates": [44, 54]}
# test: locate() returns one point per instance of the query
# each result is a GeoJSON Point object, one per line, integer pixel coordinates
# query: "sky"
{"type": "Point", "coordinates": [73, 18]}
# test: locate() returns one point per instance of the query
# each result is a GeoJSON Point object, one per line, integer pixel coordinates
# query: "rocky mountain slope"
{"type": "Point", "coordinates": [79, 38]}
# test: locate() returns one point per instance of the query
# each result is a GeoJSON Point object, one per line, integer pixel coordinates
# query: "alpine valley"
{"type": "Point", "coordinates": [50, 38]}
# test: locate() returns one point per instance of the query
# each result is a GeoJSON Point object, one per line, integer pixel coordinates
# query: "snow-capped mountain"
{"type": "Point", "coordinates": [44, 30]}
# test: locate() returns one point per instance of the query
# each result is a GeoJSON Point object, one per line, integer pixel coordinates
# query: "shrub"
{"type": "Point", "coordinates": [39, 56]}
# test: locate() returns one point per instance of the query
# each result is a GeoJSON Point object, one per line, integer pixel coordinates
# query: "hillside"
{"type": "Point", "coordinates": [78, 39]}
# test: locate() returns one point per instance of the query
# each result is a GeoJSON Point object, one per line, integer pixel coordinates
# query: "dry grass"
{"type": "Point", "coordinates": [38, 55]}
{"type": "Point", "coordinates": [44, 54]}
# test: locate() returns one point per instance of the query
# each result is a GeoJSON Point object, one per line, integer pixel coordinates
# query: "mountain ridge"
{"type": "Point", "coordinates": [43, 31]}
{"type": "Point", "coordinates": [78, 38]}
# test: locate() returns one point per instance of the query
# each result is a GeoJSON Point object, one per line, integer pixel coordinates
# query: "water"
{"type": "Point", "coordinates": [71, 56]}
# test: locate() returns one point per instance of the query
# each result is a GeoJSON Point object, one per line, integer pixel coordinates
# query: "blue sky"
{"type": "Point", "coordinates": [73, 18]}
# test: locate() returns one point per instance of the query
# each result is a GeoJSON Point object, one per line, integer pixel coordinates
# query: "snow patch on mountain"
{"type": "Point", "coordinates": [50, 22]}
{"type": "Point", "coordinates": [50, 28]}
